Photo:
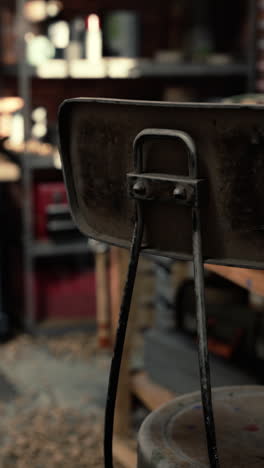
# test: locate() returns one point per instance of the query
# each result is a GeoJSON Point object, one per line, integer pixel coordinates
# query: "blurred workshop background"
{"type": "Point", "coordinates": [59, 291]}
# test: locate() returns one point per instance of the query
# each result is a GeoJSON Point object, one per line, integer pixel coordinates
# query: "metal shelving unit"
{"type": "Point", "coordinates": [34, 249]}
{"type": "Point", "coordinates": [29, 163]}
{"type": "Point", "coordinates": [33, 162]}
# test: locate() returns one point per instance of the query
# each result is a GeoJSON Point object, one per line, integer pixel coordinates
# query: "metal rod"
{"type": "Point", "coordinates": [24, 88]}
{"type": "Point", "coordinates": [29, 289]}
{"type": "Point", "coordinates": [203, 354]}
{"type": "Point", "coordinates": [205, 379]}
{"type": "Point", "coordinates": [120, 339]}
{"type": "Point", "coordinates": [23, 68]}
{"type": "Point", "coordinates": [252, 48]}
{"type": "Point", "coordinates": [206, 392]}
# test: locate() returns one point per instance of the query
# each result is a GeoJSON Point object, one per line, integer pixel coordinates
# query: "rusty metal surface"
{"type": "Point", "coordinates": [97, 153]}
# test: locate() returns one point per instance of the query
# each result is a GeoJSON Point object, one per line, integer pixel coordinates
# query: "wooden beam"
{"type": "Point", "coordinates": [118, 270]}
{"type": "Point", "coordinates": [150, 393]}
{"type": "Point", "coordinates": [102, 300]}
{"type": "Point", "coordinates": [9, 171]}
{"type": "Point", "coordinates": [124, 453]}
{"type": "Point", "coordinates": [252, 280]}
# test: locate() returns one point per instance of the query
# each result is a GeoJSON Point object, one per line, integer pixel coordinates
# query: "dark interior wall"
{"type": "Point", "coordinates": [227, 19]}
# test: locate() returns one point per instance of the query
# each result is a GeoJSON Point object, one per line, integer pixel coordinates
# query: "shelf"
{"type": "Point", "coordinates": [38, 162]}
{"type": "Point", "coordinates": [34, 162]}
{"type": "Point", "coordinates": [12, 70]}
{"type": "Point", "coordinates": [9, 172]}
{"type": "Point", "coordinates": [155, 69]}
{"type": "Point", "coordinates": [53, 249]}
{"type": "Point", "coordinates": [124, 453]}
{"type": "Point", "coordinates": [126, 68]}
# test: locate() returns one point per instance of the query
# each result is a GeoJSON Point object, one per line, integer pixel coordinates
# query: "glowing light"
{"type": "Point", "coordinates": [59, 34]}
{"type": "Point", "coordinates": [39, 10]}
{"type": "Point", "coordinates": [29, 36]}
{"type": "Point", "coordinates": [35, 10]}
{"type": "Point", "coordinates": [11, 104]}
{"type": "Point", "coordinates": [39, 130]}
{"type": "Point", "coordinates": [53, 8]}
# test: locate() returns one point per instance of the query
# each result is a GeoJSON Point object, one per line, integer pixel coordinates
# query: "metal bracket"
{"type": "Point", "coordinates": [184, 190]}
{"type": "Point", "coordinates": [163, 187]}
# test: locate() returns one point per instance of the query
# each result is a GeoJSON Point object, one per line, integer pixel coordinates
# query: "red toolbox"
{"type": "Point", "coordinates": [65, 295]}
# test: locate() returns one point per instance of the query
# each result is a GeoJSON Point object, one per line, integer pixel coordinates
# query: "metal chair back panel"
{"type": "Point", "coordinates": [97, 138]}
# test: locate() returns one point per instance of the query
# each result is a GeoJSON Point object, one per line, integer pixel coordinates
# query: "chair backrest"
{"type": "Point", "coordinates": [96, 143]}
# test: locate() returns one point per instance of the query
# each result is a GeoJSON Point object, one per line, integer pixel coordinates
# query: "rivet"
{"type": "Point", "coordinates": [179, 193]}
{"type": "Point", "coordinates": [139, 188]}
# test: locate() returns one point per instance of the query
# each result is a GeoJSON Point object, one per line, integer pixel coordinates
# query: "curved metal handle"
{"type": "Point", "coordinates": [162, 133]}
{"type": "Point", "coordinates": [205, 378]}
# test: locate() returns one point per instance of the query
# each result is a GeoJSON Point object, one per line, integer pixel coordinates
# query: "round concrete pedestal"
{"type": "Point", "coordinates": [174, 435]}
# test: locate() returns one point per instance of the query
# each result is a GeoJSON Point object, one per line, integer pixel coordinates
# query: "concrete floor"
{"type": "Point", "coordinates": [43, 377]}
{"type": "Point", "coordinates": [52, 398]}
{"type": "Point", "coordinates": [32, 367]}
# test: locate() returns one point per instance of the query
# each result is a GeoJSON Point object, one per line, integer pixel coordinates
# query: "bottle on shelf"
{"type": "Point", "coordinates": [59, 35]}
{"type": "Point", "coordinates": [93, 39]}
{"type": "Point", "coordinates": [75, 49]}
{"type": "Point", "coordinates": [122, 33]}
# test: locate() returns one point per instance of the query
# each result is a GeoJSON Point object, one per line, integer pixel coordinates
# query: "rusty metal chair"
{"type": "Point", "coordinates": [183, 181]}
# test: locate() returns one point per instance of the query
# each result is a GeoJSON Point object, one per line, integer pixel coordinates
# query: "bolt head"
{"type": "Point", "coordinates": [179, 193]}
{"type": "Point", "coordinates": [139, 188]}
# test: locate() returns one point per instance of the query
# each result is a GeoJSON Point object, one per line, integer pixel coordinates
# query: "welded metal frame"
{"type": "Point", "coordinates": [143, 187]}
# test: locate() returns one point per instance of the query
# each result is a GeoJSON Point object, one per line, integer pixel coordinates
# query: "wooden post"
{"type": "Point", "coordinates": [102, 300]}
{"type": "Point", "coordinates": [151, 394]}
{"type": "Point", "coordinates": [118, 270]}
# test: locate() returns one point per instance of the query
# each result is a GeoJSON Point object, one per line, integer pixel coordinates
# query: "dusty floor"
{"type": "Point", "coordinates": [52, 395]}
